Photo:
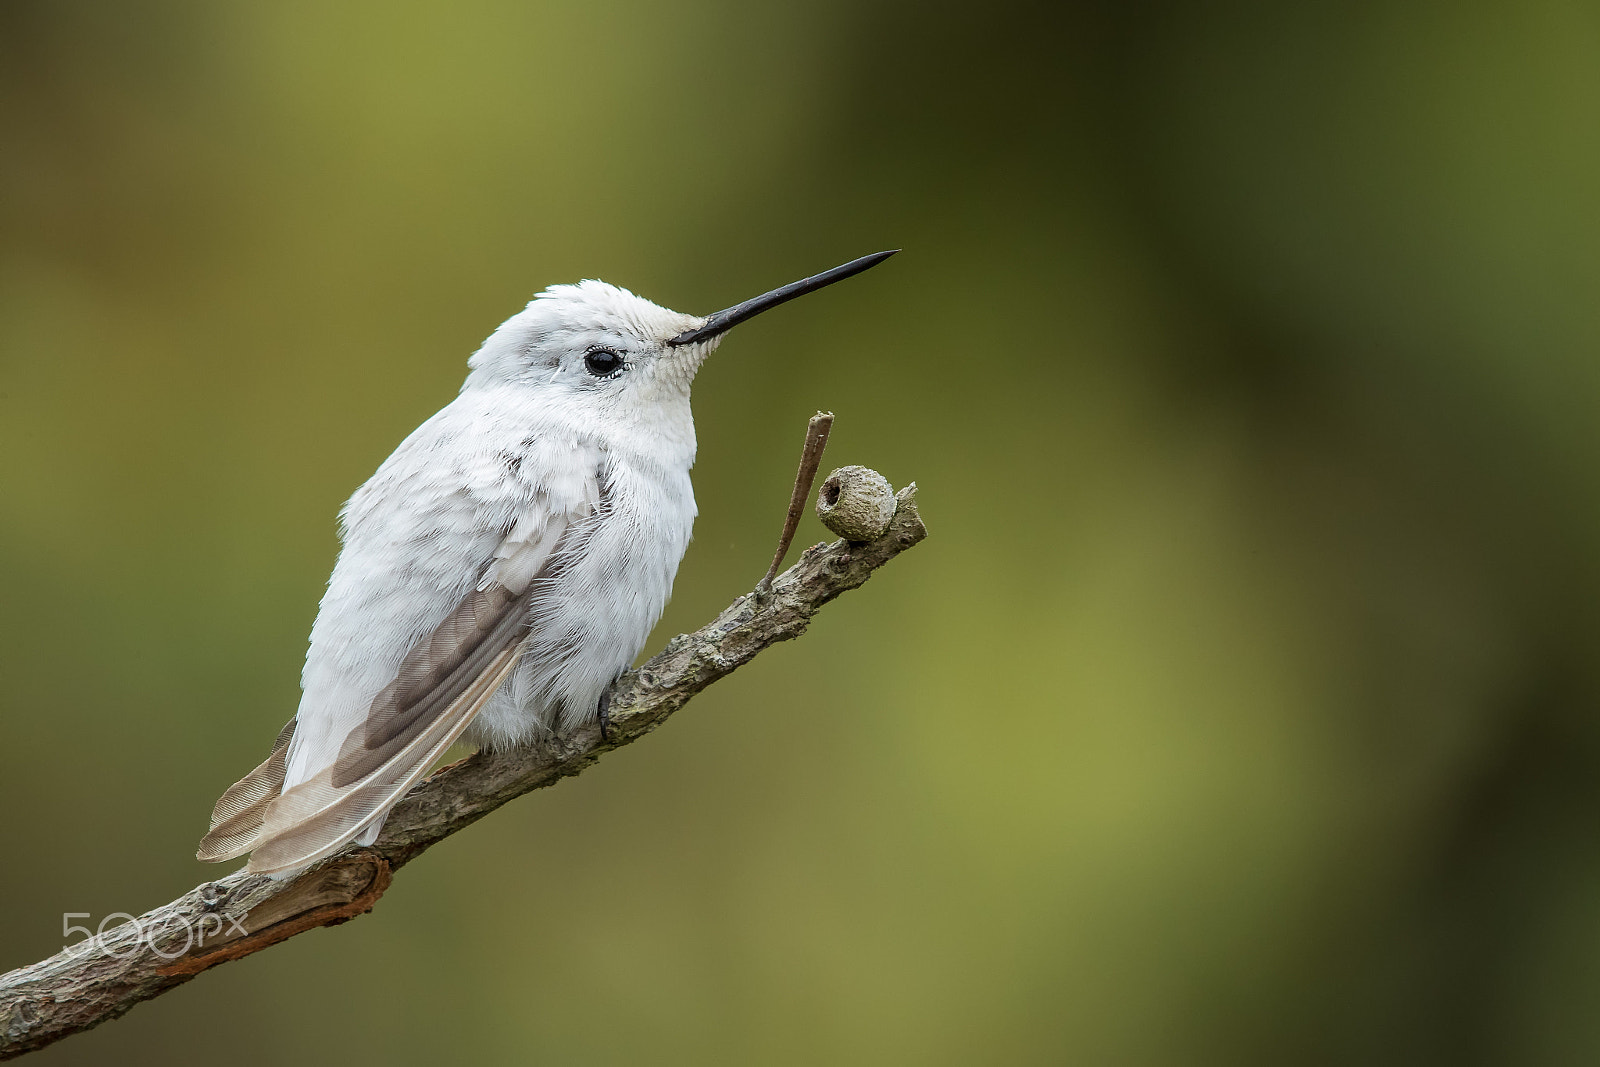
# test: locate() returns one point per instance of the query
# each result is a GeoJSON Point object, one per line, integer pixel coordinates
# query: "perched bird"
{"type": "Point", "coordinates": [499, 570]}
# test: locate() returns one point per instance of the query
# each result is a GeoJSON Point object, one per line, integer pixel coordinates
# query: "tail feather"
{"type": "Point", "coordinates": [237, 818]}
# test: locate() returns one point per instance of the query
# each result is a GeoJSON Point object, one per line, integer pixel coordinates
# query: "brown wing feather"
{"type": "Point", "coordinates": [441, 684]}
{"type": "Point", "coordinates": [433, 674]}
{"type": "Point", "coordinates": [327, 829]}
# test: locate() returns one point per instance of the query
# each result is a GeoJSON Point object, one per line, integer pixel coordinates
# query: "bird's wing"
{"type": "Point", "coordinates": [355, 774]}
{"type": "Point", "coordinates": [441, 684]}
{"type": "Point", "coordinates": [380, 761]}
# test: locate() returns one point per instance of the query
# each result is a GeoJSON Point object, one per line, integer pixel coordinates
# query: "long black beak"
{"type": "Point", "coordinates": [724, 321]}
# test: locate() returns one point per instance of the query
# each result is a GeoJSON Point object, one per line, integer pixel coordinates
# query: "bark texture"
{"type": "Point", "coordinates": [99, 979]}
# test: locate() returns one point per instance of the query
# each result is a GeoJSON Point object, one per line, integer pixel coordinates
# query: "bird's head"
{"type": "Point", "coordinates": [606, 350]}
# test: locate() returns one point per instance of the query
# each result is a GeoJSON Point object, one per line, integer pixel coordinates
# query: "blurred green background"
{"type": "Point", "coordinates": [1240, 709]}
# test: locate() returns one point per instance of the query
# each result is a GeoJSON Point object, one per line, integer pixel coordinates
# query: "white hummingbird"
{"type": "Point", "coordinates": [499, 570]}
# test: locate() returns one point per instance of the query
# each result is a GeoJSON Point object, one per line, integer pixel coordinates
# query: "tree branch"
{"type": "Point", "coordinates": [100, 978]}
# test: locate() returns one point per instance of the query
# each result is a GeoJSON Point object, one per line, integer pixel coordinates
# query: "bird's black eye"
{"type": "Point", "coordinates": [602, 362]}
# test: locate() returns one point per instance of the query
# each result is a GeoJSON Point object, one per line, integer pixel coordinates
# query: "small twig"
{"type": "Point", "coordinates": [810, 459]}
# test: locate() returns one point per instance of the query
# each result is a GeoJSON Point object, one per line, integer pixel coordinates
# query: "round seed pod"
{"type": "Point", "coordinates": [856, 503]}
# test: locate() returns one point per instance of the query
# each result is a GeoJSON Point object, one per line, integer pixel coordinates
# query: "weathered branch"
{"type": "Point", "coordinates": [101, 978]}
